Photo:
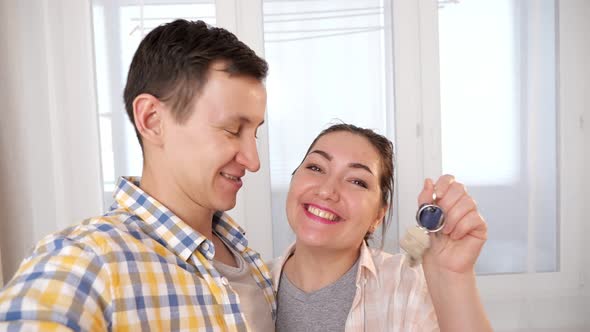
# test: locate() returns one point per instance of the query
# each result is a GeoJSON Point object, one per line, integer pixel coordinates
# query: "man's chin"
{"type": "Point", "coordinates": [226, 205]}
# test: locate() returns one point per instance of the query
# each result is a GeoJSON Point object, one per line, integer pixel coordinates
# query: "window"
{"type": "Point", "coordinates": [118, 30]}
{"type": "Point", "coordinates": [499, 124]}
{"type": "Point", "coordinates": [330, 61]}
{"type": "Point", "coordinates": [333, 61]}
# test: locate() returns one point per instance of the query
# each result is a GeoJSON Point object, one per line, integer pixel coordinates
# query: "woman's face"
{"type": "Point", "coordinates": [334, 197]}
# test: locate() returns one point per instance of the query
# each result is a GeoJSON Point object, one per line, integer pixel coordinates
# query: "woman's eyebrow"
{"type": "Point", "coordinates": [351, 165]}
{"type": "Point", "coordinates": [323, 154]}
{"type": "Point", "coordinates": [361, 166]}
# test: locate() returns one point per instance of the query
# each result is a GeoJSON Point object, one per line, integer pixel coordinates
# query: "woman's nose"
{"type": "Point", "coordinates": [328, 190]}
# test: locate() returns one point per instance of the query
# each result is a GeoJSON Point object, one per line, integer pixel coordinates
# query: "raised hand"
{"type": "Point", "coordinates": [456, 247]}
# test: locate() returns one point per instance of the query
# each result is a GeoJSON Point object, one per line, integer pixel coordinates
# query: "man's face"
{"type": "Point", "coordinates": [208, 155]}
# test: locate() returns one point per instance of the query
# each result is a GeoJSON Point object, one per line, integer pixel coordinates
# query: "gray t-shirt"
{"type": "Point", "coordinates": [252, 301]}
{"type": "Point", "coordinates": [323, 310]}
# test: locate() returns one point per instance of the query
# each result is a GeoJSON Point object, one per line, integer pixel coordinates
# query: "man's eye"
{"type": "Point", "coordinates": [236, 133]}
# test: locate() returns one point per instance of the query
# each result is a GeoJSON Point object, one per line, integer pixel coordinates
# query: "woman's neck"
{"type": "Point", "coordinates": [312, 268]}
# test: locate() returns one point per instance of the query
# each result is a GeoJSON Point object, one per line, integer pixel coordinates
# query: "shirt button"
{"type": "Point", "coordinates": [224, 281]}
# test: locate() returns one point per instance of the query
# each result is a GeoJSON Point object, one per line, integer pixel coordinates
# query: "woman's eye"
{"type": "Point", "coordinates": [360, 183]}
{"type": "Point", "coordinates": [314, 168]}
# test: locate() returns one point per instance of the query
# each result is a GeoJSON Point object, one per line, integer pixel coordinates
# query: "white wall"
{"type": "Point", "coordinates": [50, 165]}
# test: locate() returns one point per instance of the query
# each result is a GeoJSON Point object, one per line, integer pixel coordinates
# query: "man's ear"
{"type": "Point", "coordinates": [147, 114]}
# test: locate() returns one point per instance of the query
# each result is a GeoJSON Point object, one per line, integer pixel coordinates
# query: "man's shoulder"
{"type": "Point", "coordinates": [98, 235]}
{"type": "Point", "coordinates": [69, 272]}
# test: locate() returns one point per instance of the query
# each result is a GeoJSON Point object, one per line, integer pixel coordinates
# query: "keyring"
{"type": "Point", "coordinates": [430, 217]}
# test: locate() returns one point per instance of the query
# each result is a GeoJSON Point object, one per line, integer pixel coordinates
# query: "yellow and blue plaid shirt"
{"type": "Point", "coordinates": [136, 268]}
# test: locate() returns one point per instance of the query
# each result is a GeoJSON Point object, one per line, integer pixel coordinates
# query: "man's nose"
{"type": "Point", "coordinates": [248, 155]}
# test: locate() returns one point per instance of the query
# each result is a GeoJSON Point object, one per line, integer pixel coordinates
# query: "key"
{"type": "Point", "coordinates": [430, 219]}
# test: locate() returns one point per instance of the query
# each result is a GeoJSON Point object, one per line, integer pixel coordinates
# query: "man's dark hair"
{"type": "Point", "coordinates": [173, 60]}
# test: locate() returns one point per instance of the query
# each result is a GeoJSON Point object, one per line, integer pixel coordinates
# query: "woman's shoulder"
{"type": "Point", "coordinates": [275, 266]}
{"type": "Point", "coordinates": [397, 264]}
{"type": "Point", "coordinates": [383, 258]}
{"type": "Point", "coordinates": [274, 263]}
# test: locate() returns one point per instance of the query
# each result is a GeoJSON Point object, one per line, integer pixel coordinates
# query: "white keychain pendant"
{"type": "Point", "coordinates": [416, 241]}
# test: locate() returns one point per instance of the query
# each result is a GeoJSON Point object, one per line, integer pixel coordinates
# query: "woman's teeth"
{"type": "Point", "coordinates": [321, 213]}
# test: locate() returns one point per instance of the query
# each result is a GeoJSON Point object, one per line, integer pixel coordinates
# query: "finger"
{"type": "Point", "coordinates": [425, 196]}
{"type": "Point", "coordinates": [472, 224]}
{"type": "Point", "coordinates": [453, 194]}
{"type": "Point", "coordinates": [461, 206]}
{"type": "Point", "coordinates": [442, 185]}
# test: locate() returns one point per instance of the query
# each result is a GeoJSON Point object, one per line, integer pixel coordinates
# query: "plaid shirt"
{"type": "Point", "coordinates": [137, 268]}
{"type": "Point", "coordinates": [390, 295]}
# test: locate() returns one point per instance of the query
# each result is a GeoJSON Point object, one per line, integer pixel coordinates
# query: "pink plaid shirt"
{"type": "Point", "coordinates": [390, 296]}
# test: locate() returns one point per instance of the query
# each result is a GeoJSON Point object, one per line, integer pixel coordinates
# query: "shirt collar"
{"type": "Point", "coordinates": [279, 264]}
{"type": "Point", "coordinates": [366, 263]}
{"type": "Point", "coordinates": [230, 232]}
{"type": "Point", "coordinates": [167, 228]}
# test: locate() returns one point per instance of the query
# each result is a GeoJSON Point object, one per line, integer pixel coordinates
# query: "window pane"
{"type": "Point", "coordinates": [329, 61]}
{"type": "Point", "coordinates": [118, 30]}
{"type": "Point", "coordinates": [498, 103]}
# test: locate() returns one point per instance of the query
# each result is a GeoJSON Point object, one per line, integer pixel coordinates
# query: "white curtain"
{"type": "Point", "coordinates": [50, 165]}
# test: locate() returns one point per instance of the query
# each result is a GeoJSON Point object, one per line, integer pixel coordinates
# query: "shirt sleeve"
{"type": "Point", "coordinates": [424, 312]}
{"type": "Point", "coordinates": [428, 321]}
{"type": "Point", "coordinates": [412, 308]}
{"type": "Point", "coordinates": [62, 289]}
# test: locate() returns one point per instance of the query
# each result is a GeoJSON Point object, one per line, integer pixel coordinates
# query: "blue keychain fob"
{"type": "Point", "coordinates": [430, 217]}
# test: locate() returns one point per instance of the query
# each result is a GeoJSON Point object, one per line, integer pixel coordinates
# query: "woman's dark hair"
{"type": "Point", "coordinates": [385, 149]}
{"type": "Point", "coordinates": [173, 60]}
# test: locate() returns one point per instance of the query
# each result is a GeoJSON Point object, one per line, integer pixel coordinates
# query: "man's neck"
{"type": "Point", "coordinates": [173, 198]}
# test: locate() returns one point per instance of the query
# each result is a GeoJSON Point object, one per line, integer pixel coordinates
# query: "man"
{"type": "Point", "coordinates": [165, 257]}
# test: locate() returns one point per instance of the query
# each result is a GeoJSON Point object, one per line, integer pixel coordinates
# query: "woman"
{"type": "Point", "coordinates": [329, 280]}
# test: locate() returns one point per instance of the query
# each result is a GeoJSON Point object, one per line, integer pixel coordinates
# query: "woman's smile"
{"type": "Point", "coordinates": [321, 214]}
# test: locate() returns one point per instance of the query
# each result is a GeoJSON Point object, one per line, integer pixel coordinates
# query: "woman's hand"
{"type": "Point", "coordinates": [449, 262]}
{"type": "Point", "coordinates": [456, 247]}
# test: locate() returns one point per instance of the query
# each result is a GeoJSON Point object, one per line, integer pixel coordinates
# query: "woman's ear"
{"type": "Point", "coordinates": [380, 216]}
{"type": "Point", "coordinates": [147, 114]}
